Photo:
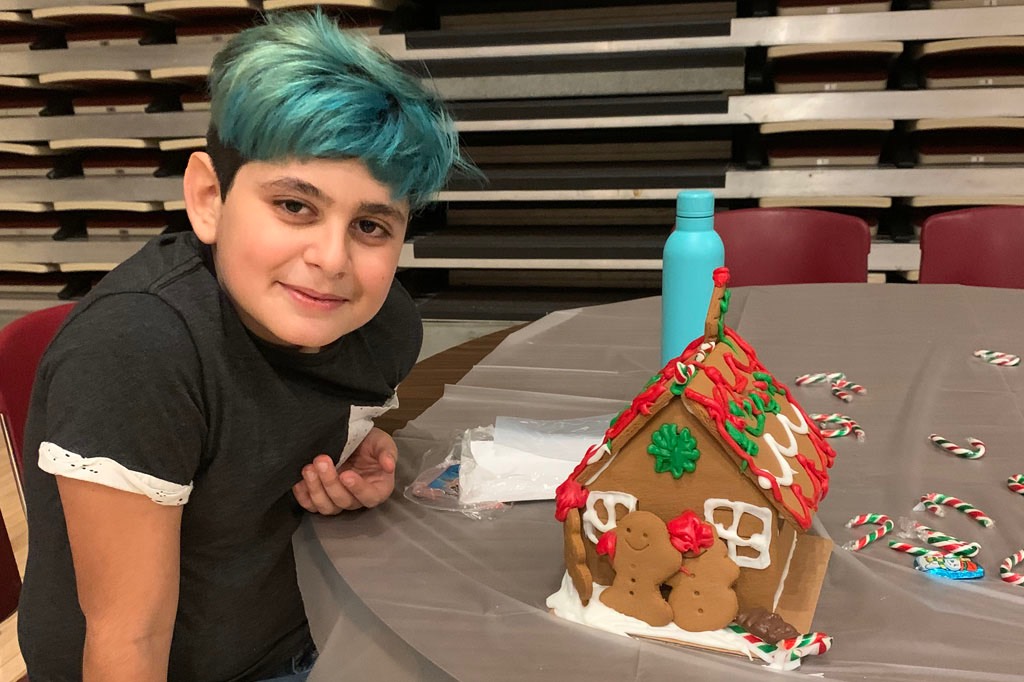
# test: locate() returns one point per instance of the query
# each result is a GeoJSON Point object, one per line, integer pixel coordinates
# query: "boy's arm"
{"type": "Point", "coordinates": [126, 550]}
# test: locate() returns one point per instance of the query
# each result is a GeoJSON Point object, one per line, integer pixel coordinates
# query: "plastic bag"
{"type": "Point", "coordinates": [437, 487]}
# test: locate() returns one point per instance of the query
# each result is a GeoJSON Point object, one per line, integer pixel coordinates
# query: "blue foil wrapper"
{"type": "Point", "coordinates": [949, 567]}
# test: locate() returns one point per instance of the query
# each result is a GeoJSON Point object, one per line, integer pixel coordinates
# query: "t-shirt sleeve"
{"type": "Point", "coordinates": [124, 402]}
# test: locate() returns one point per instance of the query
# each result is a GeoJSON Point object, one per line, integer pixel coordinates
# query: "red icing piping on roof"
{"type": "Point", "coordinates": [573, 495]}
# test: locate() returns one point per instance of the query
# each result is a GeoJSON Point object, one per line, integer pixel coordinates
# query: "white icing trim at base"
{"type": "Point", "coordinates": [566, 604]}
{"type": "Point", "coordinates": [53, 459]}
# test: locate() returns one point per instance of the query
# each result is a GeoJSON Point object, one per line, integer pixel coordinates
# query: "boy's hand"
{"type": "Point", "coordinates": [365, 480]}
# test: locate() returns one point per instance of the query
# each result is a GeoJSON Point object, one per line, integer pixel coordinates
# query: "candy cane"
{"type": "Point", "coordinates": [832, 418]}
{"type": "Point", "coordinates": [850, 386]}
{"type": "Point", "coordinates": [885, 523]}
{"type": "Point", "coordinates": [1006, 568]}
{"type": "Point", "coordinates": [947, 543]}
{"type": "Point", "coordinates": [838, 432]}
{"type": "Point", "coordinates": [843, 395]}
{"type": "Point", "coordinates": [1016, 483]}
{"type": "Point", "coordinates": [976, 451]}
{"type": "Point", "coordinates": [913, 550]}
{"type": "Point", "coordinates": [844, 425]}
{"type": "Point", "coordinates": [820, 378]}
{"type": "Point", "coordinates": [929, 502]}
{"type": "Point", "coordinates": [994, 357]}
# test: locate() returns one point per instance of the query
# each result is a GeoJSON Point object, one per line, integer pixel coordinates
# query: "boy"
{"type": "Point", "coordinates": [185, 396]}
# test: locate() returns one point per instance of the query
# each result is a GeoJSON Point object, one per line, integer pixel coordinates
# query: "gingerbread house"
{"type": "Point", "coordinates": [694, 508]}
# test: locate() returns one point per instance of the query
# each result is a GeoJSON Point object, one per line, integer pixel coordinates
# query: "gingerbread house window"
{"type": "Point", "coordinates": [600, 520]}
{"type": "Point", "coordinates": [747, 551]}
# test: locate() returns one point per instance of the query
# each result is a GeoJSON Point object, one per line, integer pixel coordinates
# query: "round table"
{"type": "Point", "coordinates": [404, 592]}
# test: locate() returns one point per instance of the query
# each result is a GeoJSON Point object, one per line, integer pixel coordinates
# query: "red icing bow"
{"type": "Point", "coordinates": [689, 534]}
{"type": "Point", "coordinates": [569, 495]}
{"type": "Point", "coordinates": [606, 544]}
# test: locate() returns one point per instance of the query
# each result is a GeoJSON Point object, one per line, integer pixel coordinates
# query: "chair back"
{"type": "Point", "coordinates": [22, 344]}
{"type": "Point", "coordinates": [793, 246]}
{"type": "Point", "coordinates": [981, 247]}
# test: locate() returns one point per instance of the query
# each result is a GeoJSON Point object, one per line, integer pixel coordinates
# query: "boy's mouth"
{"type": "Point", "coordinates": [313, 295]}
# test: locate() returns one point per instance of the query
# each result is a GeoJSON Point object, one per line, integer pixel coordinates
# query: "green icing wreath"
{"type": "Point", "coordinates": [674, 450]}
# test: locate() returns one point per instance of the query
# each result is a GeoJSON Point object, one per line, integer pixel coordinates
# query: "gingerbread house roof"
{"type": "Point", "coordinates": [723, 384]}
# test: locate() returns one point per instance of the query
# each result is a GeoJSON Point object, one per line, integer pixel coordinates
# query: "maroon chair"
{"type": "Point", "coordinates": [22, 343]}
{"type": "Point", "coordinates": [979, 247]}
{"type": "Point", "coordinates": [793, 246]}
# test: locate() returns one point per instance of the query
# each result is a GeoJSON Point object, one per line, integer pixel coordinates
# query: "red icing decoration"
{"type": "Point", "coordinates": [621, 423]}
{"type": "Point", "coordinates": [606, 544]}
{"type": "Point", "coordinates": [815, 462]}
{"type": "Point", "coordinates": [689, 534]}
{"type": "Point", "coordinates": [643, 402]}
{"type": "Point", "coordinates": [569, 495]}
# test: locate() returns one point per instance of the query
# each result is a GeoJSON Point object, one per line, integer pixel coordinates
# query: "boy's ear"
{"type": "Point", "coordinates": [202, 196]}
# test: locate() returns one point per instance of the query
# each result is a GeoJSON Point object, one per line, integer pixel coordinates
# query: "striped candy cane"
{"type": "Point", "coordinates": [842, 394]}
{"type": "Point", "coordinates": [976, 451]}
{"type": "Point", "coordinates": [844, 425]}
{"type": "Point", "coordinates": [947, 543]}
{"type": "Point", "coordinates": [811, 644]}
{"type": "Point", "coordinates": [929, 502]}
{"type": "Point", "coordinates": [1016, 483]}
{"type": "Point", "coordinates": [994, 357]}
{"type": "Point", "coordinates": [1006, 568]}
{"type": "Point", "coordinates": [819, 378]}
{"type": "Point", "coordinates": [913, 550]}
{"type": "Point", "coordinates": [885, 526]}
{"type": "Point", "coordinates": [850, 386]}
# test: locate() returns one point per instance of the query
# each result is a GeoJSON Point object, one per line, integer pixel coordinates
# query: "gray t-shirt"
{"type": "Point", "coordinates": [153, 385]}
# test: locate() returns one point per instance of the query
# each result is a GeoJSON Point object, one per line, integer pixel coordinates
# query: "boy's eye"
{"type": "Point", "coordinates": [292, 206]}
{"type": "Point", "coordinates": [371, 228]}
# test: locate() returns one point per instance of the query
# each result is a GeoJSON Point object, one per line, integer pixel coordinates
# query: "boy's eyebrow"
{"type": "Point", "coordinates": [298, 185]}
{"type": "Point", "coordinates": [386, 210]}
{"type": "Point", "coordinates": [302, 187]}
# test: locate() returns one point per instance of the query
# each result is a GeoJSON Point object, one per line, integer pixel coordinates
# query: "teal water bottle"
{"type": "Point", "coordinates": [692, 252]}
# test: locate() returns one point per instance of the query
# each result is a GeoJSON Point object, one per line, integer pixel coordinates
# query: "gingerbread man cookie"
{"type": "Point", "coordinates": [644, 558]}
{"type": "Point", "coordinates": [702, 596]}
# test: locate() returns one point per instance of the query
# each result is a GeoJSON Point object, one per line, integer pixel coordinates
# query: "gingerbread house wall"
{"type": "Point", "coordinates": [716, 476]}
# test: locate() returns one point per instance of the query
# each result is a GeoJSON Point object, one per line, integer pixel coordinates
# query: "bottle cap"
{"type": "Point", "coordinates": [695, 204]}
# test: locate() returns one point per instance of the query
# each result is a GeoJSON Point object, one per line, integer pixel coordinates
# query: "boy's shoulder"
{"type": "Point", "coordinates": [158, 266]}
{"type": "Point", "coordinates": [153, 295]}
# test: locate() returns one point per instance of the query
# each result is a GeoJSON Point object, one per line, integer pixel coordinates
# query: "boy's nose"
{"type": "Point", "coordinates": [329, 251]}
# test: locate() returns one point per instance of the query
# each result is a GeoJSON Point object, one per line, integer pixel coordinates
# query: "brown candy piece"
{"type": "Point", "coordinates": [767, 625]}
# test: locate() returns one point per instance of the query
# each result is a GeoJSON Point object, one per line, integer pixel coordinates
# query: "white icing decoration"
{"type": "Point", "coordinates": [782, 453]}
{"type": "Point", "coordinates": [600, 471]}
{"type": "Point", "coordinates": [785, 572]}
{"type": "Point", "coordinates": [565, 603]}
{"type": "Point", "coordinates": [598, 454]}
{"type": "Point", "coordinates": [759, 542]}
{"type": "Point", "coordinates": [592, 521]}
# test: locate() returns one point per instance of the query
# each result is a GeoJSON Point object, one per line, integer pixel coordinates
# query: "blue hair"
{"type": "Point", "coordinates": [297, 87]}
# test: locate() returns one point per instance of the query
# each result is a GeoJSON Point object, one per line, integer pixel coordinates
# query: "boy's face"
{"type": "Point", "coordinates": [307, 250]}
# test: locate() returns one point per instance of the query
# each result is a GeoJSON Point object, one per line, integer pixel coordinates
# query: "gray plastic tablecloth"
{"type": "Point", "coordinates": [403, 592]}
